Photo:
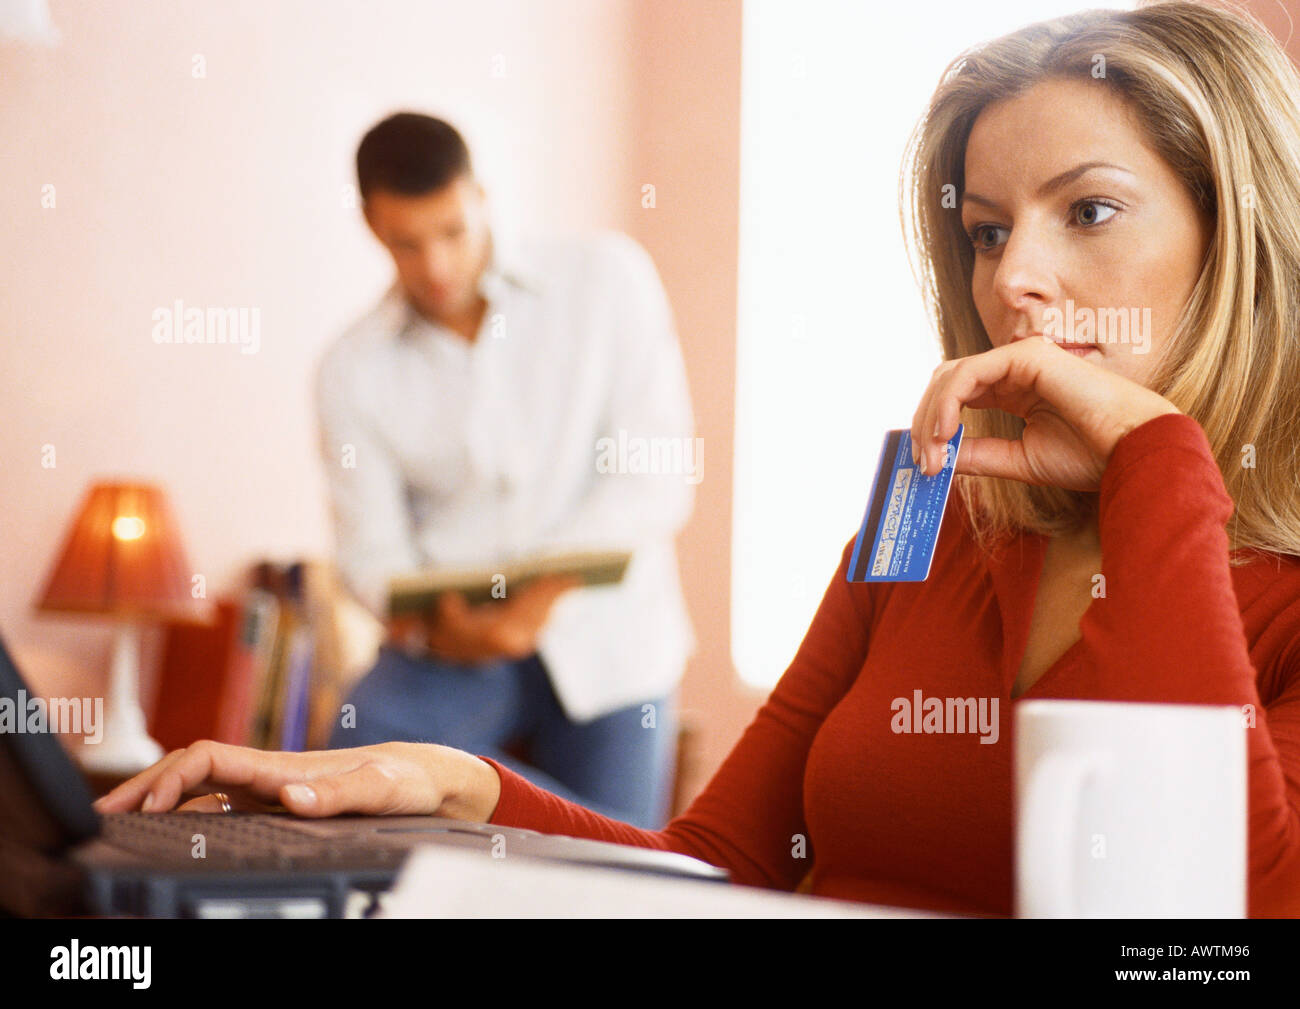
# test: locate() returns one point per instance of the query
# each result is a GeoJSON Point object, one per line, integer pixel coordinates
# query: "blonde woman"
{"type": "Point", "coordinates": [1141, 166]}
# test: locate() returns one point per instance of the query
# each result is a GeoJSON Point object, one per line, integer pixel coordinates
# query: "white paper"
{"type": "Point", "coordinates": [444, 882]}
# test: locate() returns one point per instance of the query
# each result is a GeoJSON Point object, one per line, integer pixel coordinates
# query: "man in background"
{"type": "Point", "coordinates": [460, 421]}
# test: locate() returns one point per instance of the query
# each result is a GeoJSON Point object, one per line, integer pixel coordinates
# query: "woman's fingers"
{"type": "Point", "coordinates": [131, 792]}
{"type": "Point", "coordinates": [983, 381]}
{"type": "Point", "coordinates": [922, 427]}
{"type": "Point", "coordinates": [217, 763]}
{"type": "Point", "coordinates": [203, 804]}
{"type": "Point", "coordinates": [388, 778]}
{"type": "Point", "coordinates": [259, 773]}
{"type": "Point", "coordinates": [953, 384]}
{"type": "Point", "coordinates": [998, 457]}
{"type": "Point", "coordinates": [974, 384]}
{"type": "Point", "coordinates": [1002, 378]}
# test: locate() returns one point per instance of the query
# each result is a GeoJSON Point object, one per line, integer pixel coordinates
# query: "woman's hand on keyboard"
{"type": "Point", "coordinates": [384, 779]}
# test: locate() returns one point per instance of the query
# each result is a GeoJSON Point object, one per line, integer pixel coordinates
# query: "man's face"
{"type": "Point", "coordinates": [1121, 247]}
{"type": "Point", "coordinates": [440, 243]}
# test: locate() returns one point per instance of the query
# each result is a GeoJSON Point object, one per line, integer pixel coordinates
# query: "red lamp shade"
{"type": "Point", "coordinates": [123, 557]}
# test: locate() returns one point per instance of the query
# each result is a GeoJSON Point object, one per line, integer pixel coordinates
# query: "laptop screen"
{"type": "Point", "coordinates": [44, 801]}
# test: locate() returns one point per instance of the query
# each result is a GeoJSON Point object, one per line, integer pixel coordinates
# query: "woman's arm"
{"type": "Point", "coordinates": [749, 818]}
{"type": "Point", "coordinates": [745, 820]}
{"type": "Point", "coordinates": [1170, 629]}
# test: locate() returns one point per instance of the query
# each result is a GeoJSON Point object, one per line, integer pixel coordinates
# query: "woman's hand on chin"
{"type": "Point", "coordinates": [1075, 412]}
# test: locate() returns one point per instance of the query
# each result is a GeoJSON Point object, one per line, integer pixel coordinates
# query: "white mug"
{"type": "Point", "coordinates": [1127, 810]}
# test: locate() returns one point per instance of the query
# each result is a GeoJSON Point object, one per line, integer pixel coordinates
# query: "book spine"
{"type": "Point", "coordinates": [297, 683]}
{"type": "Point", "coordinates": [268, 713]}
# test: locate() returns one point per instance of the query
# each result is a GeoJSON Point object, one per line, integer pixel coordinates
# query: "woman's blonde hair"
{"type": "Point", "coordinates": [1220, 102]}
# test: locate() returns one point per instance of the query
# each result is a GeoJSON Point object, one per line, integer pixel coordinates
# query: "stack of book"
{"type": "Point", "coordinates": [267, 673]}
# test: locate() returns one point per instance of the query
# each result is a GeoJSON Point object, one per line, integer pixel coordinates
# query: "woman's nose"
{"type": "Point", "coordinates": [1025, 269]}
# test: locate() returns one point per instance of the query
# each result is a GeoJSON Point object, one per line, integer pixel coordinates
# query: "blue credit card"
{"type": "Point", "coordinates": [904, 514]}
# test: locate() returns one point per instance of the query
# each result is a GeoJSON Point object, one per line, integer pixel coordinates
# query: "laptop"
{"type": "Point", "coordinates": [59, 856]}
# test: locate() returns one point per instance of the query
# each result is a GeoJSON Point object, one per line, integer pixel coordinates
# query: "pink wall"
{"type": "Point", "coordinates": [228, 189]}
{"type": "Point", "coordinates": [688, 110]}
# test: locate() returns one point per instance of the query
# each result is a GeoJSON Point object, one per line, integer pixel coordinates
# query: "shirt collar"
{"type": "Point", "coordinates": [508, 267]}
{"type": "Point", "coordinates": [507, 270]}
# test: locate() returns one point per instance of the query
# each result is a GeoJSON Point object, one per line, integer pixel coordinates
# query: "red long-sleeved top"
{"type": "Point", "coordinates": [925, 820]}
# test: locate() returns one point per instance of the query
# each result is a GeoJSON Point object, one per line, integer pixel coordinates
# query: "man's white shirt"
{"type": "Point", "coordinates": [439, 451]}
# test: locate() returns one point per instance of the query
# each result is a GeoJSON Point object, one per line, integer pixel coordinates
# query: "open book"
{"type": "Point", "coordinates": [416, 592]}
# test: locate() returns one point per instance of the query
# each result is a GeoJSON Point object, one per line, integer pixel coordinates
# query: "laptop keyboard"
{"type": "Point", "coordinates": [241, 840]}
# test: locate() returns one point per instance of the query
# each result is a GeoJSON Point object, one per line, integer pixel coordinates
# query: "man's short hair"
{"type": "Point", "coordinates": [410, 154]}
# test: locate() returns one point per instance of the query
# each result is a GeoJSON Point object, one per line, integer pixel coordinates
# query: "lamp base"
{"type": "Point", "coordinates": [125, 747]}
{"type": "Point", "coordinates": [121, 753]}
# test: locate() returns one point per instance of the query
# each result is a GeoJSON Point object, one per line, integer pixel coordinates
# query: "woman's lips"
{"type": "Point", "coordinates": [1078, 349]}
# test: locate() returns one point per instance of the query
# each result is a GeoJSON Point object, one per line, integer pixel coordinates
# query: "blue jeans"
{"type": "Point", "coordinates": [620, 765]}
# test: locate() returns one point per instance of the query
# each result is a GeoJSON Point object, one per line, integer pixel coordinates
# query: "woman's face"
{"type": "Point", "coordinates": [1105, 256]}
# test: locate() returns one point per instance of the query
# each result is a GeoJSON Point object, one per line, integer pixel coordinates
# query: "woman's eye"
{"type": "Point", "coordinates": [1096, 206]}
{"type": "Point", "coordinates": [1086, 213]}
{"type": "Point", "coordinates": [979, 229]}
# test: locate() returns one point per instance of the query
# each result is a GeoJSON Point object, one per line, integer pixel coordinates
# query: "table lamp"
{"type": "Point", "coordinates": [123, 559]}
